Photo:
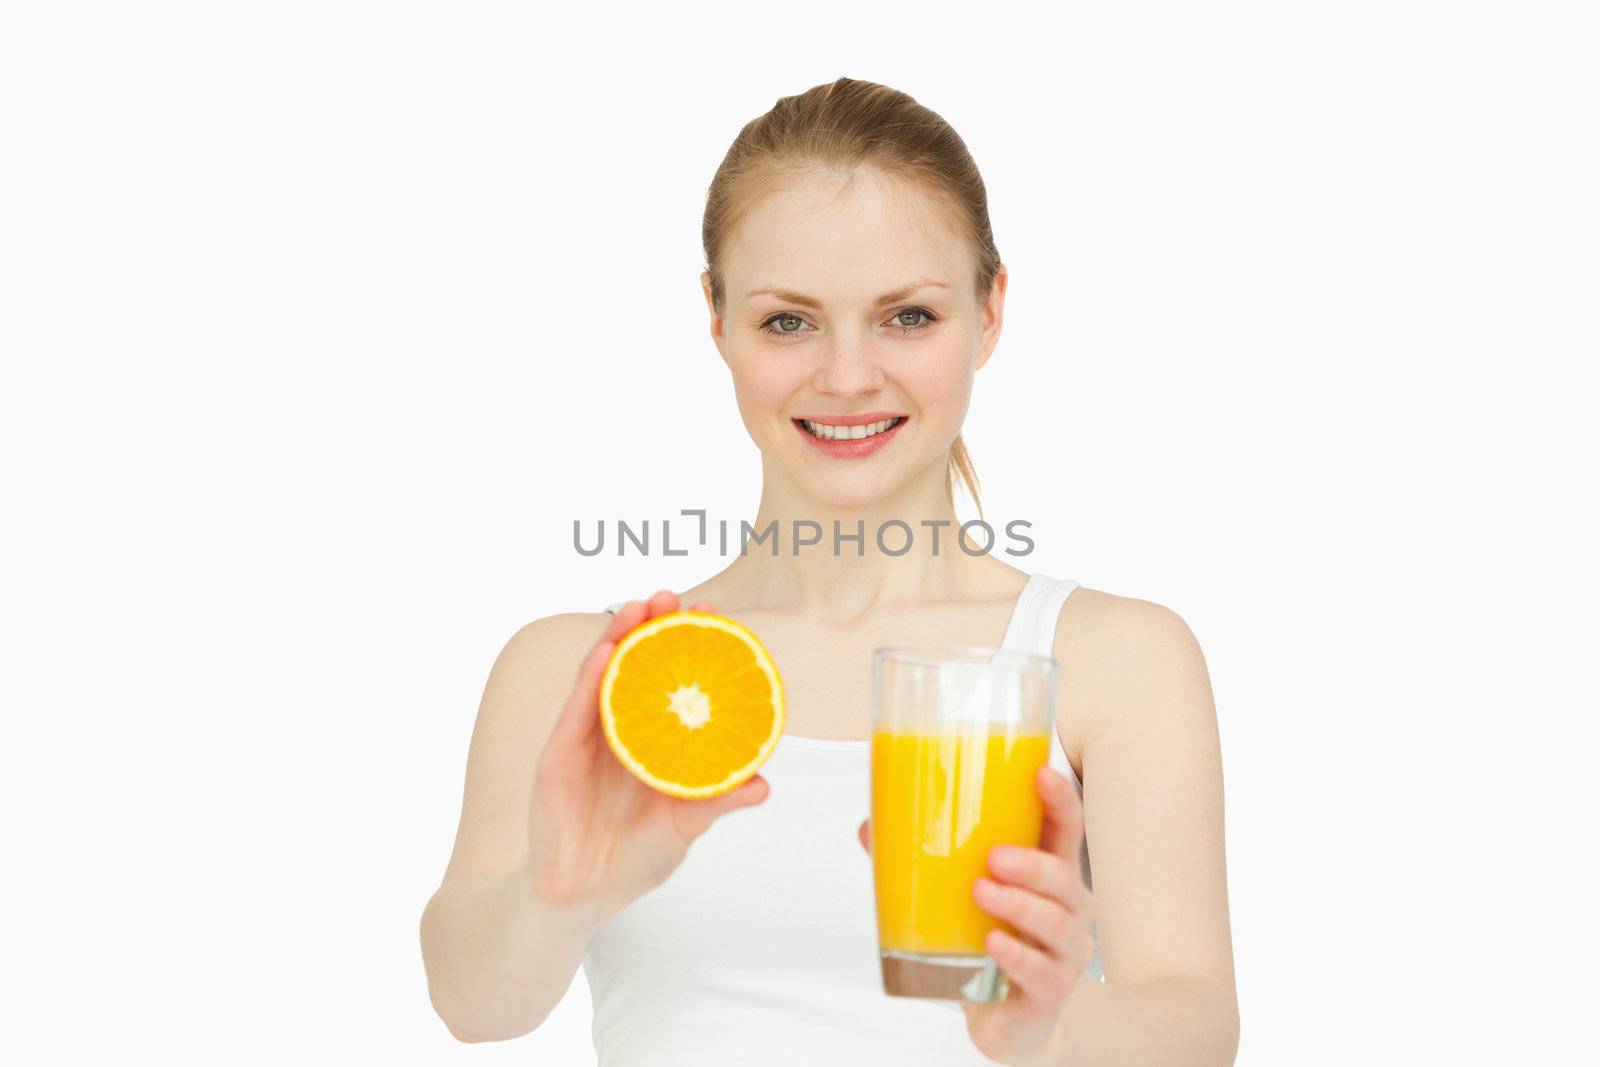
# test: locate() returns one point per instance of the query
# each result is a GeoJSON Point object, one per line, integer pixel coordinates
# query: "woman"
{"type": "Point", "coordinates": [852, 280]}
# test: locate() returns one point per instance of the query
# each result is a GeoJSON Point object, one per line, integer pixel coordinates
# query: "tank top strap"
{"type": "Point", "coordinates": [1033, 629]}
{"type": "Point", "coordinates": [1033, 622]}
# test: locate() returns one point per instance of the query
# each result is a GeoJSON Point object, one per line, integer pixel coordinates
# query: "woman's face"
{"type": "Point", "coordinates": [849, 303]}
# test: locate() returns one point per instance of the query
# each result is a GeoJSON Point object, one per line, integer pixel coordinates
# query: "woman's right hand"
{"type": "Point", "coordinates": [599, 837]}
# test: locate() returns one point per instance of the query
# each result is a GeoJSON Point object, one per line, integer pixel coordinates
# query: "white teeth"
{"type": "Point", "coordinates": [838, 433]}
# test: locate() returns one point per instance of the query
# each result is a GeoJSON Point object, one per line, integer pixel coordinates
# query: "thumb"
{"type": "Point", "coordinates": [700, 814]}
{"type": "Point", "coordinates": [578, 725]}
{"type": "Point", "coordinates": [864, 833]}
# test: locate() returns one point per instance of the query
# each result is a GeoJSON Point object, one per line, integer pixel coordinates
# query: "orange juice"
{"type": "Point", "coordinates": [940, 800]}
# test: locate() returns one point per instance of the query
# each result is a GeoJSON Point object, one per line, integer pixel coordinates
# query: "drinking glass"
{"type": "Point", "coordinates": [958, 735]}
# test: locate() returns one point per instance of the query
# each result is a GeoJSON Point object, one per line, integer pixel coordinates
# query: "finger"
{"type": "Point", "coordinates": [1039, 975]}
{"type": "Point", "coordinates": [749, 793]}
{"type": "Point", "coordinates": [1062, 832]}
{"type": "Point", "coordinates": [663, 601]}
{"type": "Point", "coordinates": [864, 834]}
{"type": "Point", "coordinates": [1042, 872]}
{"type": "Point", "coordinates": [697, 815]}
{"type": "Point", "coordinates": [579, 720]}
{"type": "Point", "coordinates": [634, 612]}
{"type": "Point", "coordinates": [580, 717]}
{"type": "Point", "coordinates": [624, 619]}
{"type": "Point", "coordinates": [702, 605]}
{"type": "Point", "coordinates": [1045, 920]}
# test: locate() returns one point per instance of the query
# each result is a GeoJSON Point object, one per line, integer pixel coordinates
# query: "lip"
{"type": "Point", "coordinates": [851, 448]}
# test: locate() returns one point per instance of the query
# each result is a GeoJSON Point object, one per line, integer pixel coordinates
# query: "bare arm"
{"type": "Point", "coordinates": [556, 836]}
{"type": "Point", "coordinates": [499, 957]}
{"type": "Point", "coordinates": [1153, 817]}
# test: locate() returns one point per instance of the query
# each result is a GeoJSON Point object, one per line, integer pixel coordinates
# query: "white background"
{"type": "Point", "coordinates": [323, 321]}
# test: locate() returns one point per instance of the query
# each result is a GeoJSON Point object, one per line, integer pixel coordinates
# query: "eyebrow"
{"type": "Point", "coordinates": [792, 297]}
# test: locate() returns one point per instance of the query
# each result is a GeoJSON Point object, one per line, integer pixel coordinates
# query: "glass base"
{"type": "Point", "coordinates": [974, 979]}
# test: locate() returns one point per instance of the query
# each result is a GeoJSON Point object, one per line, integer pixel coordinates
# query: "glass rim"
{"type": "Point", "coordinates": [949, 655]}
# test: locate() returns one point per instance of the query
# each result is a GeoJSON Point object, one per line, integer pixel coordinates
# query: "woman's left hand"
{"type": "Point", "coordinates": [1040, 892]}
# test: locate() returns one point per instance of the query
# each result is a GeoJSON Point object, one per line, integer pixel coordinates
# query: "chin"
{"type": "Point", "coordinates": [849, 494]}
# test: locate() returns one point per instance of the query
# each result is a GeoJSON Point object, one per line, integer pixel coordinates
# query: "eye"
{"type": "Point", "coordinates": [783, 324]}
{"type": "Point", "coordinates": [788, 324]}
{"type": "Point", "coordinates": [908, 327]}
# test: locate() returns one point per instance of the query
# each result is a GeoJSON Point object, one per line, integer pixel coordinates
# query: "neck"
{"type": "Point", "coordinates": [859, 577]}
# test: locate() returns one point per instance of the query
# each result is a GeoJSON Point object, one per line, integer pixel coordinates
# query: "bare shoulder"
{"type": "Point", "coordinates": [527, 687]}
{"type": "Point", "coordinates": [1123, 656]}
{"type": "Point", "coordinates": [529, 683]}
{"type": "Point", "coordinates": [549, 645]}
{"type": "Point", "coordinates": [1107, 623]}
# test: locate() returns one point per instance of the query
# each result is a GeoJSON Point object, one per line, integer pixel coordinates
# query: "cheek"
{"type": "Point", "coordinates": [937, 377]}
{"type": "Point", "coordinates": [764, 385]}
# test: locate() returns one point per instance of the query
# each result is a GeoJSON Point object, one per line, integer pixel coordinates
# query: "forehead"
{"type": "Point", "coordinates": [845, 238]}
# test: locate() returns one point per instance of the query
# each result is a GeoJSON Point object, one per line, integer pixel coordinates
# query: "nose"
{"type": "Point", "coordinates": [849, 366]}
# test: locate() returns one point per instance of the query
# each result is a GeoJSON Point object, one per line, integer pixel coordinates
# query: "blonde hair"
{"type": "Point", "coordinates": [844, 125]}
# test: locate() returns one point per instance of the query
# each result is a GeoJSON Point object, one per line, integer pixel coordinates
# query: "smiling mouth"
{"type": "Point", "coordinates": [824, 432]}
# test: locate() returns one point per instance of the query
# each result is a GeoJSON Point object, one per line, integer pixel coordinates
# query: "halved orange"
{"type": "Point", "coordinates": [692, 703]}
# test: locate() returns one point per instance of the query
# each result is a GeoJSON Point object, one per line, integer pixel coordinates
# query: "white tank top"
{"type": "Point", "coordinates": [762, 946]}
